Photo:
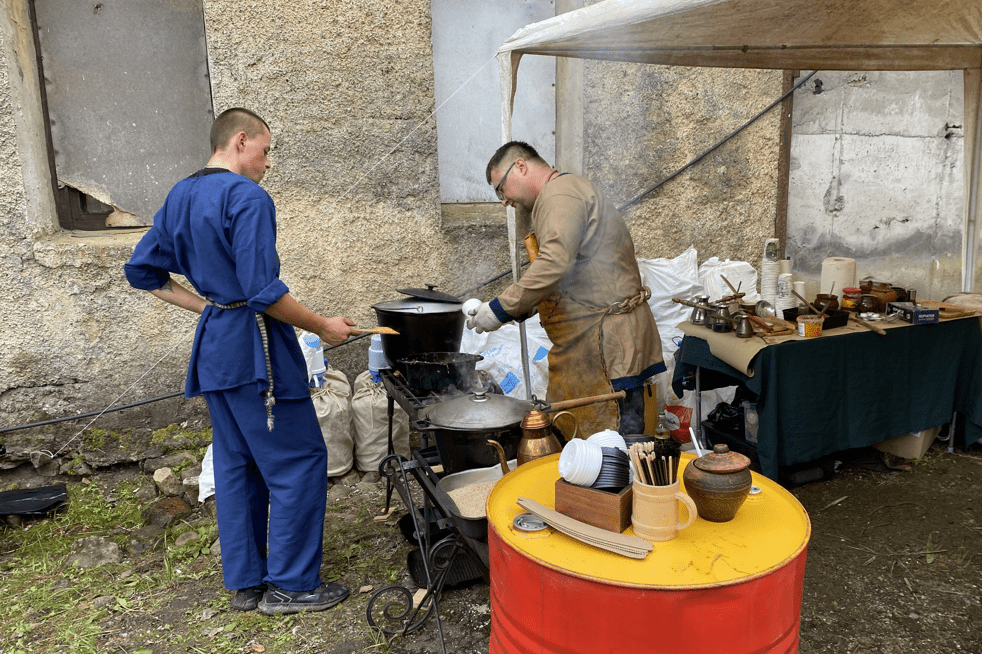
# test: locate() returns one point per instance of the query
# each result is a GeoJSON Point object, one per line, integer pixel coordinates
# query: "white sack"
{"type": "Point", "coordinates": [502, 352]}
{"type": "Point", "coordinates": [206, 480]}
{"type": "Point", "coordinates": [667, 279]}
{"type": "Point", "coordinates": [741, 274]}
{"type": "Point", "coordinates": [370, 419]}
{"type": "Point", "coordinates": [332, 402]}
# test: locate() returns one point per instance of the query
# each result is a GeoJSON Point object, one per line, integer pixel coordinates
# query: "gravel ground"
{"type": "Point", "coordinates": [894, 565]}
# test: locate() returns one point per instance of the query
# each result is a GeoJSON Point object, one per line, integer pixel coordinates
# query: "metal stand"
{"type": "Point", "coordinates": [391, 609]}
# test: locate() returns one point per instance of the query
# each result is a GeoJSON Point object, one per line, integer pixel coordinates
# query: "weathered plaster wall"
{"type": "Point", "coordinates": [877, 176]}
{"type": "Point", "coordinates": [345, 86]}
{"type": "Point", "coordinates": [67, 346]}
{"type": "Point", "coordinates": [642, 123]}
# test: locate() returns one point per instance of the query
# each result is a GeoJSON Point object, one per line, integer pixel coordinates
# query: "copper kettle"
{"type": "Point", "coordinates": [537, 437]}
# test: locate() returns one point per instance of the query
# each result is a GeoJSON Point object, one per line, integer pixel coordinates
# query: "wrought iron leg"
{"type": "Point", "coordinates": [399, 610]}
{"type": "Point", "coordinates": [397, 616]}
{"type": "Point", "coordinates": [389, 479]}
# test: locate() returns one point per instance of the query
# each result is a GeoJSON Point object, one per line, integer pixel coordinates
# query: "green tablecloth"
{"type": "Point", "coordinates": [825, 395]}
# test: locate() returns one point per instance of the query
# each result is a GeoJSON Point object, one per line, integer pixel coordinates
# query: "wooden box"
{"type": "Point", "coordinates": [610, 511]}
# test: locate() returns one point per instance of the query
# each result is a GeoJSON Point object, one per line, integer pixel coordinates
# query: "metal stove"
{"type": "Point", "coordinates": [390, 609]}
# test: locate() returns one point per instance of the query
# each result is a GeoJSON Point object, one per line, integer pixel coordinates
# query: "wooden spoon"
{"type": "Point", "coordinates": [374, 330]}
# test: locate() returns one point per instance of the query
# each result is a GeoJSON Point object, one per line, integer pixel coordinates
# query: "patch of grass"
{"type": "Point", "coordinates": [49, 599]}
{"type": "Point", "coordinates": [52, 604]}
{"type": "Point", "coordinates": [175, 437]}
{"type": "Point", "coordinates": [94, 438]}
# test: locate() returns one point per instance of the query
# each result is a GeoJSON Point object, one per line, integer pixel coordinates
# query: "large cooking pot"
{"type": "Point", "coordinates": [435, 372]}
{"type": "Point", "coordinates": [462, 427]}
{"type": "Point", "coordinates": [427, 321]}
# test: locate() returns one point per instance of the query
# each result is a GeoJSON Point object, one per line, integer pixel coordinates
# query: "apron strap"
{"type": "Point", "coordinates": [631, 303]}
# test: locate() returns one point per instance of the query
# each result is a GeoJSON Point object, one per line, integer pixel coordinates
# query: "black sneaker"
{"type": "Point", "coordinates": [277, 600]}
{"type": "Point", "coordinates": [247, 599]}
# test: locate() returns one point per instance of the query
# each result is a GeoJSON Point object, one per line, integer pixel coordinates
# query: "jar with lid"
{"type": "Point", "coordinates": [850, 299]}
{"type": "Point", "coordinates": [868, 303]}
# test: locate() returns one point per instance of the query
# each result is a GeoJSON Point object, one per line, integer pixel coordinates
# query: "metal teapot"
{"type": "Point", "coordinates": [698, 316]}
{"type": "Point", "coordinates": [538, 439]}
{"type": "Point", "coordinates": [744, 328]}
{"type": "Point", "coordinates": [720, 319]}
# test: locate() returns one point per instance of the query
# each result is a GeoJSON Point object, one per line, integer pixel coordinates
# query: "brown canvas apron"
{"type": "Point", "coordinates": [576, 365]}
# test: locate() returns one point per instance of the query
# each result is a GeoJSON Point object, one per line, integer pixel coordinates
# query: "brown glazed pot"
{"type": "Point", "coordinates": [718, 483]}
{"type": "Point", "coordinates": [823, 299]}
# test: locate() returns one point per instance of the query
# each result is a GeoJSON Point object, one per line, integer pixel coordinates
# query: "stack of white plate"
{"type": "Point", "coordinates": [770, 268]}
{"type": "Point", "coordinates": [785, 298]}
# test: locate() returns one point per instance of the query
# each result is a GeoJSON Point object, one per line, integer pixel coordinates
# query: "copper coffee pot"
{"type": "Point", "coordinates": [537, 437]}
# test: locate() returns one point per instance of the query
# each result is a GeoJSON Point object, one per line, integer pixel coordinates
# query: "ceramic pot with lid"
{"type": "Point", "coordinates": [823, 300]}
{"type": "Point", "coordinates": [427, 321]}
{"type": "Point", "coordinates": [718, 483]}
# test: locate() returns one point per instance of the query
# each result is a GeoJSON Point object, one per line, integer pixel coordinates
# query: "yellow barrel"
{"type": "Point", "coordinates": [717, 588]}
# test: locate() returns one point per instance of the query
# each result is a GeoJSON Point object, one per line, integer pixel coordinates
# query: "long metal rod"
{"type": "Point", "coordinates": [525, 360]}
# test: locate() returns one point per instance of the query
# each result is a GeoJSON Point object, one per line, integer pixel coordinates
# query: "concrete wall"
{"type": "Point", "coordinates": [342, 84]}
{"type": "Point", "coordinates": [877, 175]}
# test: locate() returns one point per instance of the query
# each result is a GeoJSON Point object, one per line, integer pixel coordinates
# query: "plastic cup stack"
{"type": "Point", "coordinates": [580, 462]}
{"type": "Point", "coordinates": [785, 298]}
{"type": "Point", "coordinates": [615, 471]}
{"type": "Point", "coordinates": [770, 268]}
{"type": "Point", "coordinates": [608, 438]}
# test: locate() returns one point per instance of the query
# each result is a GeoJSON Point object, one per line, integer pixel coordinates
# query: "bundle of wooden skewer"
{"type": "Point", "coordinates": [651, 468]}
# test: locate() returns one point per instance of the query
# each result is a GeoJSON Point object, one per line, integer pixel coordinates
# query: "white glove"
{"type": "Point", "coordinates": [483, 319]}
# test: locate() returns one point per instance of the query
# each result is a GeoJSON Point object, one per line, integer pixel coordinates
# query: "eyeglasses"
{"type": "Point", "coordinates": [497, 189]}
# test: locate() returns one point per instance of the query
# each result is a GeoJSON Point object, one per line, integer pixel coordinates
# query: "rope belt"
{"type": "Point", "coordinates": [628, 305]}
{"type": "Point", "coordinates": [270, 400]}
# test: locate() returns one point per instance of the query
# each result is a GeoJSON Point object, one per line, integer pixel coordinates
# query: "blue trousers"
{"type": "Point", "coordinates": [278, 476]}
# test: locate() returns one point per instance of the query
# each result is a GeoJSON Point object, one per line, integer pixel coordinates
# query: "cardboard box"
{"type": "Point", "coordinates": [913, 313]}
{"type": "Point", "coordinates": [610, 511]}
{"type": "Point", "coordinates": [909, 446]}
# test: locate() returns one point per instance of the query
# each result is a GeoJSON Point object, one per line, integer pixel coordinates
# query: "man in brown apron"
{"type": "Point", "coordinates": [584, 281]}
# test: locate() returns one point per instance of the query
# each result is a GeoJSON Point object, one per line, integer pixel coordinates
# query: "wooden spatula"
{"type": "Point", "coordinates": [374, 330]}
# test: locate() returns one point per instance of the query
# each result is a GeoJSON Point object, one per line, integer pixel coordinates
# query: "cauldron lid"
{"type": "Point", "coordinates": [477, 411]}
{"type": "Point", "coordinates": [429, 293]}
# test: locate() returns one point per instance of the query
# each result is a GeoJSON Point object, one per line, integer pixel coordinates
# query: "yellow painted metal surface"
{"type": "Point", "coordinates": [769, 530]}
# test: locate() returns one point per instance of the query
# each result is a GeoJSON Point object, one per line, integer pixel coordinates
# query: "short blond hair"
{"type": "Point", "coordinates": [231, 122]}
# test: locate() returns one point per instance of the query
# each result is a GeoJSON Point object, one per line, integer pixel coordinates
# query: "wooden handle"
{"type": "Point", "coordinates": [358, 331]}
{"type": "Point", "coordinates": [876, 328]}
{"type": "Point", "coordinates": [690, 303]}
{"type": "Point", "coordinates": [810, 305]}
{"type": "Point", "coordinates": [760, 322]}
{"type": "Point", "coordinates": [723, 277]}
{"type": "Point", "coordinates": [585, 401]}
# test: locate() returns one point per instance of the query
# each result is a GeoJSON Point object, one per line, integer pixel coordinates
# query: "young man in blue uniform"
{"type": "Point", "coordinates": [217, 228]}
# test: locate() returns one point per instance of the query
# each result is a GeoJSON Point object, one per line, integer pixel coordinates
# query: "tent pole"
{"type": "Point", "coordinates": [507, 71]}
{"type": "Point", "coordinates": [973, 171]}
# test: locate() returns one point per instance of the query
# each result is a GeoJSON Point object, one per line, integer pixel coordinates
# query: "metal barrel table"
{"type": "Point", "coordinates": [717, 588]}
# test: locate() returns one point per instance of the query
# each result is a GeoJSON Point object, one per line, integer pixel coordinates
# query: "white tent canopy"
{"type": "Point", "coordinates": [778, 34]}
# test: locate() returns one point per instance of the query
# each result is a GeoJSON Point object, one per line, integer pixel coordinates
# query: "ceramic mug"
{"type": "Point", "coordinates": [655, 511]}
